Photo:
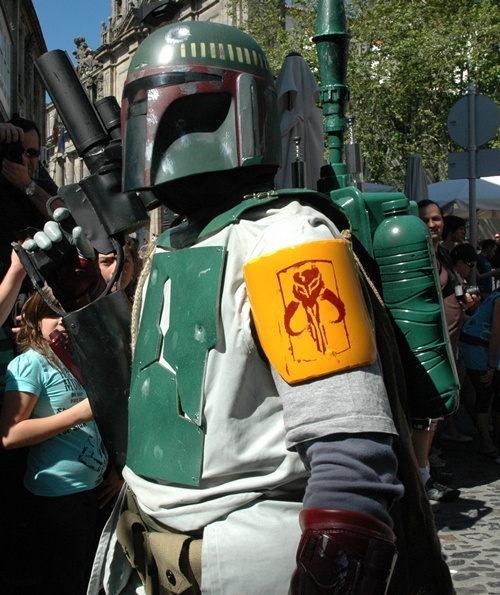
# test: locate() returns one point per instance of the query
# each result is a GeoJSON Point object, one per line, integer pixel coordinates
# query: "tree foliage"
{"type": "Point", "coordinates": [279, 27]}
{"type": "Point", "coordinates": [409, 62]}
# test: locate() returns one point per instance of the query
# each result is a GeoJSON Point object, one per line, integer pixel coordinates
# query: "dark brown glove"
{"type": "Point", "coordinates": [343, 552]}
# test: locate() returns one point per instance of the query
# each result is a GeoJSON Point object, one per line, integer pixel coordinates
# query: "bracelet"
{"type": "Point", "coordinates": [491, 367]}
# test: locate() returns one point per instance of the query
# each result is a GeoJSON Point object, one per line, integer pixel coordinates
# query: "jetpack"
{"type": "Point", "coordinates": [387, 226]}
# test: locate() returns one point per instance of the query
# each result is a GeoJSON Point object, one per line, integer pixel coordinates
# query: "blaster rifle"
{"type": "Point", "coordinates": [99, 332]}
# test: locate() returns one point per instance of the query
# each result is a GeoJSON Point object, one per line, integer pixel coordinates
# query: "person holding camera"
{"type": "Point", "coordinates": [23, 200]}
{"type": "Point", "coordinates": [464, 259]}
{"type": "Point", "coordinates": [24, 197]}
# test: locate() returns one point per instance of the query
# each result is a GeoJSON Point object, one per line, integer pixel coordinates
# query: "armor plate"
{"type": "Point", "coordinates": [166, 432]}
{"type": "Point", "coordinates": [309, 310]}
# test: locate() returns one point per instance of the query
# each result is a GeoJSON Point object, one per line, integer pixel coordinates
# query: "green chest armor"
{"type": "Point", "coordinates": [165, 408]}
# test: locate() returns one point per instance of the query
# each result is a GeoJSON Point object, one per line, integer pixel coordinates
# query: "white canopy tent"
{"type": "Point", "coordinates": [453, 197]}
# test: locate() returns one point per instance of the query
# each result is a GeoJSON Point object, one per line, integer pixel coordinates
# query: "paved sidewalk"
{"type": "Point", "coordinates": [469, 528]}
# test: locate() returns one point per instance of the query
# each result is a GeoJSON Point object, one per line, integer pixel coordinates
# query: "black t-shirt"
{"type": "Point", "coordinates": [18, 213]}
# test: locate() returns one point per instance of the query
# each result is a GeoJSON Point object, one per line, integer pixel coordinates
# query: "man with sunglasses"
{"type": "Point", "coordinates": [23, 197]}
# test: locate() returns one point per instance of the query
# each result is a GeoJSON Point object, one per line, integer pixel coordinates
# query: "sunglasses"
{"type": "Point", "coordinates": [471, 264]}
{"type": "Point", "coordinates": [31, 153]}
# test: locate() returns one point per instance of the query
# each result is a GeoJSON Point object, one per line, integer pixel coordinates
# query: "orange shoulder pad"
{"type": "Point", "coordinates": [309, 310]}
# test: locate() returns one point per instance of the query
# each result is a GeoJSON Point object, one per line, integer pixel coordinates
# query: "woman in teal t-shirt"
{"type": "Point", "coordinates": [46, 408]}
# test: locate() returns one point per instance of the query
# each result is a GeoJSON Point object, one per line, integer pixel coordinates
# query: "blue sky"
{"type": "Point", "coordinates": [63, 20]}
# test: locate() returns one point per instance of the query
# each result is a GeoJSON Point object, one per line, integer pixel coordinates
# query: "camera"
{"type": "Point", "coordinates": [461, 290]}
{"type": "Point", "coordinates": [12, 151]}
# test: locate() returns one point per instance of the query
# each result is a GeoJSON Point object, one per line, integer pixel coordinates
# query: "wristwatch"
{"type": "Point", "coordinates": [29, 190]}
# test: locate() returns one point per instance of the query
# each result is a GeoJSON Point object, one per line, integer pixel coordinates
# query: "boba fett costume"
{"type": "Point", "coordinates": [257, 399]}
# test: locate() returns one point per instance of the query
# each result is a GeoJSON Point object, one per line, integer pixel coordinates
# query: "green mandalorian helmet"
{"type": "Point", "coordinates": [199, 98]}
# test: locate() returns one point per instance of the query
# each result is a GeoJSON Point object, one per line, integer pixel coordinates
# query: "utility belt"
{"type": "Point", "coordinates": [167, 561]}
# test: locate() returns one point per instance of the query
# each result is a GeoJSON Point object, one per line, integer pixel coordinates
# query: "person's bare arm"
{"type": "Point", "coordinates": [10, 287]}
{"type": "Point", "coordinates": [19, 430]}
{"type": "Point", "coordinates": [488, 274]}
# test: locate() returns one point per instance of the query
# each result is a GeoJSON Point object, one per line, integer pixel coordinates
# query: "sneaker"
{"type": "Point", "coordinates": [442, 475]}
{"type": "Point", "coordinates": [455, 437]}
{"type": "Point", "coordinates": [440, 493]}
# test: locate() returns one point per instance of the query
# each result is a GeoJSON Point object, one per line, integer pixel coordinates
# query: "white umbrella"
{"type": "Point", "coordinates": [454, 195]}
{"type": "Point", "coordinates": [298, 94]}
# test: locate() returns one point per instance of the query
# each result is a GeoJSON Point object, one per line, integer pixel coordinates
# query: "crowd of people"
{"type": "Point", "coordinates": [244, 458]}
{"type": "Point", "coordinates": [57, 483]}
{"type": "Point", "coordinates": [473, 329]}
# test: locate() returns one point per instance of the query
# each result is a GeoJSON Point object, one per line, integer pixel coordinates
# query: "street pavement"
{"type": "Point", "coordinates": [469, 528]}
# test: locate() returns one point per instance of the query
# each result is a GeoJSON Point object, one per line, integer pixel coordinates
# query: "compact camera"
{"type": "Point", "coordinates": [12, 151]}
{"type": "Point", "coordinates": [461, 290]}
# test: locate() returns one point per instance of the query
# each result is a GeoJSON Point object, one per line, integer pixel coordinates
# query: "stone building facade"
{"type": "Point", "coordinates": [103, 70]}
{"type": "Point", "coordinates": [21, 43]}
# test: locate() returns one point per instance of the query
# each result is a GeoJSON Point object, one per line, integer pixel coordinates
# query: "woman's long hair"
{"type": "Point", "coordinates": [30, 335]}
